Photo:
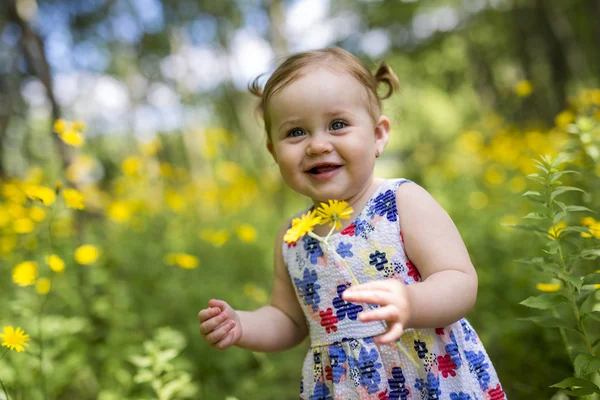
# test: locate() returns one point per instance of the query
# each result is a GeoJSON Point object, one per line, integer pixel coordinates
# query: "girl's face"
{"type": "Point", "coordinates": [323, 137]}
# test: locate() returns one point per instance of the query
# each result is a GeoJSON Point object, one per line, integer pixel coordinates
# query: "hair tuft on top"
{"type": "Point", "coordinates": [335, 58]}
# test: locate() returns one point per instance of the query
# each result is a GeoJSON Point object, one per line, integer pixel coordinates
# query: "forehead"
{"type": "Point", "coordinates": [318, 89]}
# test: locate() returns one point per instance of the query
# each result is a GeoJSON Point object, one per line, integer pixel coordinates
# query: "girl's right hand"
{"type": "Point", "coordinates": [220, 325]}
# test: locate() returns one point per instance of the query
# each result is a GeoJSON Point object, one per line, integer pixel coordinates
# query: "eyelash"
{"type": "Point", "coordinates": [289, 134]}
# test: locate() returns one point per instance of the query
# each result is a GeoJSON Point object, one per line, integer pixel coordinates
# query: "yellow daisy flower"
{"type": "Point", "coordinates": [548, 287]}
{"type": "Point", "coordinates": [246, 233]}
{"type": "Point", "coordinates": [86, 254]}
{"type": "Point", "coordinates": [14, 339]}
{"type": "Point", "coordinates": [301, 226]}
{"type": "Point", "coordinates": [74, 199]}
{"type": "Point", "coordinates": [523, 88]}
{"type": "Point", "coordinates": [555, 230]}
{"type": "Point", "coordinates": [182, 260]}
{"type": "Point", "coordinates": [70, 132]}
{"type": "Point", "coordinates": [334, 212]}
{"type": "Point", "coordinates": [55, 263]}
{"type": "Point", "coordinates": [41, 193]}
{"type": "Point", "coordinates": [24, 274]}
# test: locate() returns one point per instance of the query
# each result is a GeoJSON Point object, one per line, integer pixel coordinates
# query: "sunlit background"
{"type": "Point", "coordinates": [136, 185]}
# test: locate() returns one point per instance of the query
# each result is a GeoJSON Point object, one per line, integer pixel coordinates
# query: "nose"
{"type": "Point", "coordinates": [318, 144]}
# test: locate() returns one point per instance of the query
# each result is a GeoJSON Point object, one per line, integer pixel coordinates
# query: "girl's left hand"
{"type": "Point", "coordinates": [392, 297]}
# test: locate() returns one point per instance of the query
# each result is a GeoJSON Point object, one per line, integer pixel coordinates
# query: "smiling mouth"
{"type": "Point", "coordinates": [321, 169]}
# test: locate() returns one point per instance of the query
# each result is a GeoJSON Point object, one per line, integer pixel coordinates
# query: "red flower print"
{"type": "Point", "coordinates": [328, 320]}
{"type": "Point", "coordinates": [383, 395]}
{"type": "Point", "coordinates": [401, 238]}
{"type": "Point", "coordinates": [439, 331]}
{"type": "Point", "coordinates": [446, 365]}
{"type": "Point", "coordinates": [349, 230]}
{"type": "Point", "coordinates": [293, 244]}
{"type": "Point", "coordinates": [328, 373]}
{"type": "Point", "coordinates": [497, 393]}
{"type": "Point", "coordinates": [412, 271]}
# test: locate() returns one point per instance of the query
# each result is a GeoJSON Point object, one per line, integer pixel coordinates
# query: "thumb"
{"type": "Point", "coordinates": [218, 303]}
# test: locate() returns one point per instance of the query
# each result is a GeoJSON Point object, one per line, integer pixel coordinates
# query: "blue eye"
{"type": "Point", "coordinates": [295, 132]}
{"type": "Point", "coordinates": [337, 125]}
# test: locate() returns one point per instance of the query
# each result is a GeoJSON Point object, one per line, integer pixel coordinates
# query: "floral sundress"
{"type": "Point", "coordinates": [344, 363]}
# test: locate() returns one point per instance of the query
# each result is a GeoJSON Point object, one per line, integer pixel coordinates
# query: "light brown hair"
{"type": "Point", "coordinates": [333, 57]}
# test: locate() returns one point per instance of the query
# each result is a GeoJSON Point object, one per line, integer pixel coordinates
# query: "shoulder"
{"type": "Point", "coordinates": [414, 197]}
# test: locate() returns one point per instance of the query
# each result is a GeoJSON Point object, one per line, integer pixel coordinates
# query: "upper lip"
{"type": "Point", "coordinates": [322, 164]}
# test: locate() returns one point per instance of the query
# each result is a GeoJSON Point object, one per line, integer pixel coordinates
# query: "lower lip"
{"type": "Point", "coordinates": [323, 176]}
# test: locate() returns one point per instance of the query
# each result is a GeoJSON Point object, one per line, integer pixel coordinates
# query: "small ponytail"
{"type": "Point", "coordinates": [385, 75]}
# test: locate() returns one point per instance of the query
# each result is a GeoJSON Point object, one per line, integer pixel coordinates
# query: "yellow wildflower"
{"type": "Point", "coordinates": [37, 214]}
{"type": "Point", "coordinates": [182, 260]}
{"type": "Point", "coordinates": [301, 226]}
{"type": "Point", "coordinates": [174, 200]}
{"type": "Point", "coordinates": [70, 132]}
{"type": "Point", "coordinates": [594, 229]}
{"type": "Point", "coordinates": [14, 339]}
{"type": "Point", "coordinates": [43, 286]}
{"type": "Point", "coordinates": [564, 118]}
{"type": "Point", "coordinates": [23, 225]}
{"type": "Point", "coordinates": [523, 88]}
{"type": "Point", "coordinates": [55, 263]}
{"type": "Point", "coordinates": [548, 287]}
{"type": "Point", "coordinates": [588, 221]}
{"type": "Point", "coordinates": [555, 230]}
{"type": "Point", "coordinates": [246, 233]}
{"type": "Point", "coordinates": [41, 193]}
{"type": "Point", "coordinates": [131, 166]}
{"type": "Point", "coordinates": [215, 237]}
{"type": "Point", "coordinates": [119, 211]}
{"type": "Point", "coordinates": [334, 212]}
{"type": "Point", "coordinates": [24, 274]}
{"type": "Point", "coordinates": [255, 293]}
{"type": "Point", "coordinates": [86, 254]}
{"type": "Point", "coordinates": [74, 199]}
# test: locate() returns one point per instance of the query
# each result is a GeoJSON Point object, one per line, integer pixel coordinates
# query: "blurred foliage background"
{"type": "Point", "coordinates": [181, 200]}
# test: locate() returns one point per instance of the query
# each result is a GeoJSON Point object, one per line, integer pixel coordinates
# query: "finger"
{"type": "Point", "coordinates": [226, 341]}
{"type": "Point", "coordinates": [213, 323]}
{"type": "Point", "coordinates": [391, 335]}
{"type": "Point", "coordinates": [387, 313]}
{"type": "Point", "coordinates": [208, 313]}
{"type": "Point", "coordinates": [382, 284]}
{"type": "Point", "coordinates": [218, 303]}
{"type": "Point", "coordinates": [382, 298]}
{"type": "Point", "coordinates": [220, 332]}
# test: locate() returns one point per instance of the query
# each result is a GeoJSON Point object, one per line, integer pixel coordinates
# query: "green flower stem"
{"type": "Point", "coordinates": [4, 389]}
{"type": "Point", "coordinates": [574, 304]}
{"type": "Point", "coordinates": [3, 354]}
{"type": "Point", "coordinates": [563, 335]}
{"type": "Point", "coordinates": [335, 220]}
{"type": "Point", "coordinates": [355, 281]}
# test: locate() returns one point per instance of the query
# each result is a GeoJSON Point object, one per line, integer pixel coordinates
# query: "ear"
{"type": "Point", "coordinates": [271, 149]}
{"type": "Point", "coordinates": [382, 133]}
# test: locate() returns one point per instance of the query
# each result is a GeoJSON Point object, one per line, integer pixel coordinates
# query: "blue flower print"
{"type": "Point", "coordinates": [321, 392]}
{"type": "Point", "coordinates": [343, 307]}
{"type": "Point", "coordinates": [478, 366]}
{"type": "Point", "coordinates": [362, 228]}
{"type": "Point", "coordinates": [452, 351]}
{"type": "Point", "coordinates": [420, 348]}
{"type": "Point", "coordinates": [367, 367]}
{"type": "Point", "coordinates": [313, 250]}
{"type": "Point", "coordinates": [308, 287]}
{"type": "Point", "coordinates": [431, 388]}
{"type": "Point", "coordinates": [470, 334]}
{"type": "Point", "coordinates": [337, 357]}
{"type": "Point", "coordinates": [344, 250]}
{"type": "Point", "coordinates": [399, 391]}
{"type": "Point", "coordinates": [459, 396]}
{"type": "Point", "coordinates": [385, 204]}
{"type": "Point", "coordinates": [378, 259]}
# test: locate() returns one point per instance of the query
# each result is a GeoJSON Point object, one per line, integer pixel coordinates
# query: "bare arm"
{"type": "Point", "coordinates": [448, 288]}
{"type": "Point", "coordinates": [280, 325]}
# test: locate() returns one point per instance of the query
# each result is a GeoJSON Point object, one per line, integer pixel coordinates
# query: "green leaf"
{"type": "Point", "coordinates": [589, 254]}
{"type": "Point", "coordinates": [537, 178]}
{"type": "Point", "coordinates": [580, 229]}
{"type": "Point", "coordinates": [143, 376]}
{"type": "Point", "coordinates": [544, 301]}
{"type": "Point", "coordinates": [562, 189]}
{"type": "Point", "coordinates": [596, 342]}
{"type": "Point", "coordinates": [577, 384]}
{"type": "Point", "coordinates": [583, 296]}
{"type": "Point", "coordinates": [579, 208]}
{"type": "Point", "coordinates": [574, 280]}
{"type": "Point", "coordinates": [535, 215]}
{"type": "Point", "coordinates": [167, 355]}
{"type": "Point", "coordinates": [532, 193]}
{"type": "Point", "coordinates": [595, 315]}
{"type": "Point", "coordinates": [139, 361]}
{"type": "Point", "coordinates": [585, 364]}
{"type": "Point", "coordinates": [591, 279]}
{"type": "Point", "coordinates": [551, 322]}
{"type": "Point", "coordinates": [555, 175]}
{"type": "Point", "coordinates": [530, 228]}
